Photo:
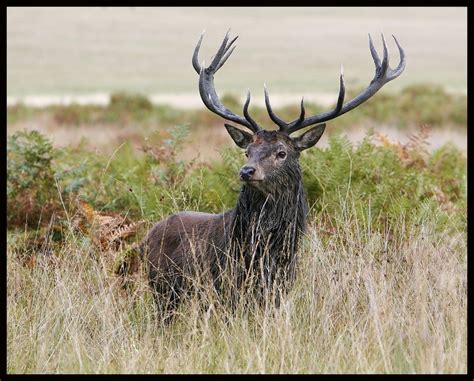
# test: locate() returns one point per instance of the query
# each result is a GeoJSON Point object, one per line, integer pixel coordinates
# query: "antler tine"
{"type": "Point", "coordinates": [279, 122]}
{"type": "Point", "coordinates": [195, 61]}
{"type": "Point", "coordinates": [401, 66]}
{"type": "Point", "coordinates": [301, 118]}
{"type": "Point", "coordinates": [383, 74]}
{"type": "Point", "coordinates": [342, 91]}
{"type": "Point", "coordinates": [384, 65]}
{"type": "Point", "coordinates": [247, 115]}
{"type": "Point", "coordinates": [207, 89]}
{"type": "Point", "coordinates": [227, 55]}
{"type": "Point", "coordinates": [222, 49]}
{"type": "Point", "coordinates": [298, 123]}
{"type": "Point", "coordinates": [375, 56]}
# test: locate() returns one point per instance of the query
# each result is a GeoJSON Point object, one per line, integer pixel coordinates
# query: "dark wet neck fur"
{"type": "Point", "coordinates": [271, 222]}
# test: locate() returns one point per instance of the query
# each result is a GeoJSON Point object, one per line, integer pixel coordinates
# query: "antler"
{"type": "Point", "coordinates": [383, 74]}
{"type": "Point", "coordinates": [206, 84]}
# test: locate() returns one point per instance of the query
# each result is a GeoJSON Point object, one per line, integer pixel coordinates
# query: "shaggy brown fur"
{"type": "Point", "coordinates": [256, 241]}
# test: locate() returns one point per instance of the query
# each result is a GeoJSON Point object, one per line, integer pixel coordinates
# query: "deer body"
{"type": "Point", "coordinates": [260, 235]}
{"type": "Point", "coordinates": [258, 239]}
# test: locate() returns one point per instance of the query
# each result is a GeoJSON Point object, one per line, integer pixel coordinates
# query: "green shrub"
{"type": "Point", "coordinates": [123, 101]}
{"type": "Point", "coordinates": [381, 185]}
{"type": "Point", "coordinates": [124, 106]}
{"type": "Point", "coordinates": [216, 187]}
{"type": "Point", "coordinates": [40, 178]}
{"type": "Point", "coordinates": [429, 104]}
{"type": "Point", "coordinates": [30, 178]}
{"type": "Point", "coordinates": [139, 185]}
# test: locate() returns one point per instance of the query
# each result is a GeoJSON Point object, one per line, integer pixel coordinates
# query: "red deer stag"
{"type": "Point", "coordinates": [259, 237]}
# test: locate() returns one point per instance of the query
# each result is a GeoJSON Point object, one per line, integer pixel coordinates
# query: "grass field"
{"type": "Point", "coordinates": [298, 51]}
{"type": "Point", "coordinates": [381, 285]}
{"type": "Point", "coordinates": [353, 310]}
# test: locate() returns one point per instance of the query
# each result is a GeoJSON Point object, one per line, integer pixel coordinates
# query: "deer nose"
{"type": "Point", "coordinates": [246, 172]}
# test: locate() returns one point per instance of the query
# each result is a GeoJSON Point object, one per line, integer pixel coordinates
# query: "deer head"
{"type": "Point", "coordinates": [274, 153]}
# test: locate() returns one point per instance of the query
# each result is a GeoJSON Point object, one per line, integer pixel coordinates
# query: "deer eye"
{"type": "Point", "coordinates": [281, 154]}
{"type": "Point", "coordinates": [246, 154]}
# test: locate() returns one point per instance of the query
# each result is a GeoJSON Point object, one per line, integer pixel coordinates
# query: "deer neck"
{"type": "Point", "coordinates": [275, 219]}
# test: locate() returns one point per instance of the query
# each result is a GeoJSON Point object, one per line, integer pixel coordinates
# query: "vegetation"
{"type": "Point", "coordinates": [413, 106]}
{"type": "Point", "coordinates": [381, 285]}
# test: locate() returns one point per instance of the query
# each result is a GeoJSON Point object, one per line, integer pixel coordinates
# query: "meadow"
{"type": "Point", "coordinates": [87, 50]}
{"type": "Point", "coordinates": [382, 279]}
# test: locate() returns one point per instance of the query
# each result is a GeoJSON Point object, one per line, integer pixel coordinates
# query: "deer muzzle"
{"type": "Point", "coordinates": [247, 172]}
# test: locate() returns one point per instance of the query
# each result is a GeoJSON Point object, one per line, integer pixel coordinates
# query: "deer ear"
{"type": "Point", "coordinates": [310, 137]}
{"type": "Point", "coordinates": [241, 138]}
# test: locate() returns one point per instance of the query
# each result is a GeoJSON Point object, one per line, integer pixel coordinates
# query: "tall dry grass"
{"type": "Point", "coordinates": [363, 302]}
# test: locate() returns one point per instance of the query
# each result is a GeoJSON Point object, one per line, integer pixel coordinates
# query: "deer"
{"type": "Point", "coordinates": [259, 238]}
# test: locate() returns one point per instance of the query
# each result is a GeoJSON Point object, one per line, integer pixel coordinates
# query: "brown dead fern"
{"type": "Point", "coordinates": [110, 233]}
{"type": "Point", "coordinates": [413, 153]}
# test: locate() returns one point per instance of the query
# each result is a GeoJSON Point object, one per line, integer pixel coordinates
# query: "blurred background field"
{"type": "Point", "coordinates": [107, 134]}
{"type": "Point", "coordinates": [57, 51]}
